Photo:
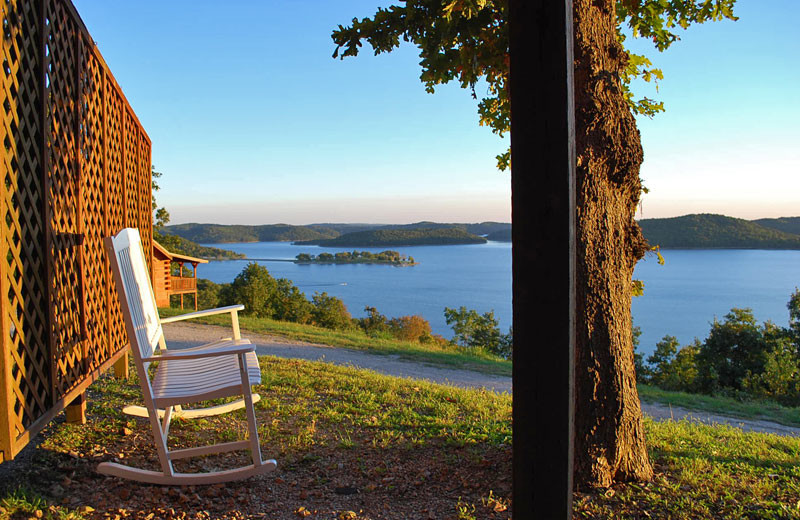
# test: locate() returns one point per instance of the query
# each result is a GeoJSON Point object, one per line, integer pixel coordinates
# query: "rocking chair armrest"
{"type": "Point", "coordinates": [196, 354]}
{"type": "Point", "coordinates": [208, 312]}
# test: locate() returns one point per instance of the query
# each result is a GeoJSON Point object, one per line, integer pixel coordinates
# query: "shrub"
{"type": "Point", "coordinates": [375, 323]}
{"type": "Point", "coordinates": [410, 328]}
{"type": "Point", "coordinates": [254, 288]}
{"type": "Point", "coordinates": [780, 380]}
{"type": "Point", "coordinates": [208, 294]}
{"type": "Point", "coordinates": [330, 312]}
{"type": "Point", "coordinates": [733, 348]}
{"type": "Point", "coordinates": [475, 330]}
{"type": "Point", "coordinates": [290, 304]}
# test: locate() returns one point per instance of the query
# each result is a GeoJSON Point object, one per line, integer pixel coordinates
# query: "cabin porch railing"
{"type": "Point", "coordinates": [178, 284]}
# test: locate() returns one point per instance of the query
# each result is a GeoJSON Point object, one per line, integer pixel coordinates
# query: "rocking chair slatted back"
{"type": "Point", "coordinates": [145, 331]}
{"type": "Point", "coordinates": [225, 368]}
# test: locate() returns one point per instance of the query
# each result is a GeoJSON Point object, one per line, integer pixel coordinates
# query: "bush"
{"type": "Point", "coordinates": [208, 294]}
{"type": "Point", "coordinates": [780, 380]}
{"type": "Point", "coordinates": [374, 324]}
{"type": "Point", "coordinates": [290, 304]}
{"type": "Point", "coordinates": [410, 328]}
{"type": "Point", "coordinates": [330, 312]}
{"type": "Point", "coordinates": [254, 288]}
{"type": "Point", "coordinates": [473, 330]}
{"type": "Point", "coordinates": [734, 348]}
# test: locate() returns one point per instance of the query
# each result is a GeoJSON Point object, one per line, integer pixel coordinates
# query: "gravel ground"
{"type": "Point", "coordinates": [182, 335]}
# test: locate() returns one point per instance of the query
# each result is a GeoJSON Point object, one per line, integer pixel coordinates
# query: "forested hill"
{"type": "Point", "coordinates": [401, 237]}
{"type": "Point", "coordinates": [707, 231]}
{"type": "Point", "coordinates": [785, 224]}
{"type": "Point", "coordinates": [180, 245]}
{"type": "Point", "coordinates": [220, 234]}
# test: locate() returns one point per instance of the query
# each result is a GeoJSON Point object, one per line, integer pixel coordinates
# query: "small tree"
{"type": "Point", "coordinates": [375, 322]}
{"type": "Point", "coordinates": [330, 312]}
{"type": "Point", "coordinates": [475, 330]}
{"type": "Point", "coordinates": [254, 288]}
{"type": "Point", "coordinates": [410, 328]}
{"type": "Point", "coordinates": [290, 304]}
{"type": "Point", "coordinates": [794, 318]}
{"type": "Point", "coordinates": [661, 359]}
{"type": "Point", "coordinates": [733, 348]}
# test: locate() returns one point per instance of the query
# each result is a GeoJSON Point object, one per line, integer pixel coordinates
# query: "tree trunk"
{"type": "Point", "coordinates": [609, 434]}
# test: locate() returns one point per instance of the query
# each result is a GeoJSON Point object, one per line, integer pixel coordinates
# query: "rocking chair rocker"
{"type": "Point", "coordinates": [224, 368]}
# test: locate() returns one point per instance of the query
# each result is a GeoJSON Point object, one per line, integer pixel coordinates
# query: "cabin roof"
{"type": "Point", "coordinates": [175, 257]}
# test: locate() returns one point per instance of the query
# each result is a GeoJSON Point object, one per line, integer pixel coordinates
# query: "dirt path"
{"type": "Point", "coordinates": [181, 335]}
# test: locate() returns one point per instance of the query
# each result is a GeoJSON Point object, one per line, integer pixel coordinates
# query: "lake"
{"type": "Point", "coordinates": [681, 298]}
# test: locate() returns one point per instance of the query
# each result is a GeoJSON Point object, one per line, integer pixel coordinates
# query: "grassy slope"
{"type": "Point", "coordinates": [714, 231]}
{"type": "Point", "coordinates": [449, 357]}
{"type": "Point", "coordinates": [401, 444]}
{"type": "Point", "coordinates": [758, 410]}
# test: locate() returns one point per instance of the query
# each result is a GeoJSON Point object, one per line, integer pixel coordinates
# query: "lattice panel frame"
{"type": "Point", "coordinates": [76, 168]}
{"type": "Point", "coordinates": [22, 266]}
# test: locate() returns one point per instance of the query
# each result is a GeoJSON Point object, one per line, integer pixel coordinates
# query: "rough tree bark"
{"type": "Point", "coordinates": [609, 434]}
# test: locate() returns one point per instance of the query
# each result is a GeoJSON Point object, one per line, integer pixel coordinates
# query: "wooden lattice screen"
{"type": "Point", "coordinates": [75, 168]}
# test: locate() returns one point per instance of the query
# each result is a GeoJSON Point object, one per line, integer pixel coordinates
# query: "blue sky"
{"type": "Point", "coordinates": [252, 121]}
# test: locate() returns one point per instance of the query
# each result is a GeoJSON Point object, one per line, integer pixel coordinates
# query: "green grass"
{"type": "Point", "coordinates": [443, 356]}
{"type": "Point", "coordinates": [750, 409]}
{"type": "Point", "coordinates": [392, 439]}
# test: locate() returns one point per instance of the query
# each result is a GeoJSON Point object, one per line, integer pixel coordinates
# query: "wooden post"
{"type": "Point", "coordinates": [121, 366]}
{"type": "Point", "coordinates": [194, 275]}
{"type": "Point", "coordinates": [76, 410]}
{"type": "Point", "coordinates": [7, 436]}
{"type": "Point", "coordinates": [180, 275]}
{"type": "Point", "coordinates": [543, 241]}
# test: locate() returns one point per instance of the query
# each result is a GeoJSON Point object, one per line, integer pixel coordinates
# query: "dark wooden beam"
{"type": "Point", "coordinates": [543, 214]}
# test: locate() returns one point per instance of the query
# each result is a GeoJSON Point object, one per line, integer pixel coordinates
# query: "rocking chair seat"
{"type": "Point", "coordinates": [184, 381]}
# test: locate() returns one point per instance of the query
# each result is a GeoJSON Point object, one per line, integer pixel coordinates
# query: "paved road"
{"type": "Point", "coordinates": [182, 335]}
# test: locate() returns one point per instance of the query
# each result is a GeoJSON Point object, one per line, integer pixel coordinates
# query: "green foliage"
{"type": "Point", "coordinates": [780, 379]}
{"type": "Point", "coordinates": [473, 330]}
{"type": "Point", "coordinates": [739, 358]}
{"type": "Point", "coordinates": [785, 224]}
{"type": "Point", "coordinates": [706, 231]}
{"type": "Point", "coordinates": [254, 288]}
{"type": "Point", "coordinates": [375, 322]}
{"type": "Point", "coordinates": [355, 257]}
{"type": "Point", "coordinates": [330, 312]}
{"type": "Point", "coordinates": [467, 41]}
{"type": "Point", "coordinates": [733, 348]}
{"type": "Point", "coordinates": [794, 318]}
{"type": "Point", "coordinates": [219, 233]}
{"type": "Point", "coordinates": [401, 237]}
{"type": "Point", "coordinates": [180, 245]}
{"type": "Point", "coordinates": [208, 294]}
{"type": "Point", "coordinates": [642, 370]}
{"type": "Point", "coordinates": [290, 304]}
{"type": "Point", "coordinates": [673, 367]}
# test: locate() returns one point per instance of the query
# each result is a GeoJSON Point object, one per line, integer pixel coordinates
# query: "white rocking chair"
{"type": "Point", "coordinates": [224, 368]}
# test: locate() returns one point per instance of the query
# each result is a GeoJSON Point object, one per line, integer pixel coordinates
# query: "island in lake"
{"type": "Point", "coordinates": [356, 257]}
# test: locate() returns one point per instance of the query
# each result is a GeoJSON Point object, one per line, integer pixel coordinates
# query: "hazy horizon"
{"type": "Point", "coordinates": [368, 223]}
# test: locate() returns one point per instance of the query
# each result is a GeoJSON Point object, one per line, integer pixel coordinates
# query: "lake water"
{"type": "Point", "coordinates": [681, 297]}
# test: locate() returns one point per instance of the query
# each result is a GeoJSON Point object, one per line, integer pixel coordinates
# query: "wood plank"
{"type": "Point", "coordinates": [121, 366]}
{"type": "Point", "coordinates": [76, 410]}
{"type": "Point", "coordinates": [543, 242]}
